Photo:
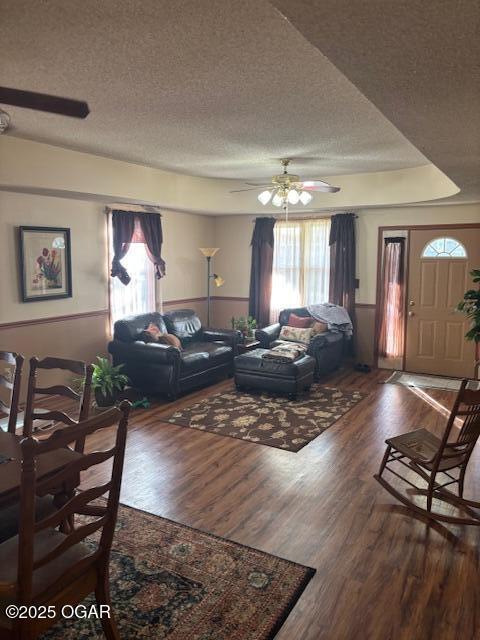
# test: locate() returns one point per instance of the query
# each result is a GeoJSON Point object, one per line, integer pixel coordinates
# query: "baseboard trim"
{"type": "Point", "coordinates": [72, 316]}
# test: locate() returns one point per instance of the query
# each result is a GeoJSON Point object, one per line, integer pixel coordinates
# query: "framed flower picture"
{"type": "Point", "coordinates": [45, 263]}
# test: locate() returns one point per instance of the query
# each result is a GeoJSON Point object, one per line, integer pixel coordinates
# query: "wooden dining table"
{"type": "Point", "coordinates": [11, 465]}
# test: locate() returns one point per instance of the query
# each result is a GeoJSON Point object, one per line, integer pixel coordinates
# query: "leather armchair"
{"type": "Point", "coordinates": [205, 356]}
{"type": "Point", "coordinates": [327, 348]}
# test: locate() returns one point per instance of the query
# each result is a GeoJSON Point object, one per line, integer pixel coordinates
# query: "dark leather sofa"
{"type": "Point", "coordinates": [327, 348]}
{"type": "Point", "coordinates": [206, 354]}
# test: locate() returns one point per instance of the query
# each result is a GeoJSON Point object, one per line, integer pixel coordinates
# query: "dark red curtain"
{"type": "Point", "coordinates": [123, 226]}
{"type": "Point", "coordinates": [134, 226]}
{"type": "Point", "coordinates": [342, 262]}
{"type": "Point", "coordinates": [151, 225]}
{"type": "Point", "coordinates": [261, 270]}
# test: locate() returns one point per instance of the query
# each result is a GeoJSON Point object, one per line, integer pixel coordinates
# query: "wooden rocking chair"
{"type": "Point", "coordinates": [440, 462]}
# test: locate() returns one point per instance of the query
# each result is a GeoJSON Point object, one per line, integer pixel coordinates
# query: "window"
{"type": "Point", "coordinates": [139, 295]}
{"type": "Point", "coordinates": [301, 264]}
{"type": "Point", "coordinates": [444, 248]}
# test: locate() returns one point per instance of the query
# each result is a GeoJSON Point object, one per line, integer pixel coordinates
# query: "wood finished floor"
{"type": "Point", "coordinates": [381, 574]}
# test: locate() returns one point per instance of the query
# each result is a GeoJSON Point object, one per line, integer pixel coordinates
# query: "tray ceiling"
{"type": "Point", "coordinates": [215, 88]}
{"type": "Point", "coordinates": [417, 61]}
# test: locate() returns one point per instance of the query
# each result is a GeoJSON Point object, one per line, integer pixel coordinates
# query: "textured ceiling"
{"type": "Point", "coordinates": [418, 61]}
{"type": "Point", "coordinates": [216, 88]}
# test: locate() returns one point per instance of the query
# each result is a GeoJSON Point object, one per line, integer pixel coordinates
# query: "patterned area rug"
{"type": "Point", "coordinates": [265, 419]}
{"type": "Point", "coordinates": [170, 581]}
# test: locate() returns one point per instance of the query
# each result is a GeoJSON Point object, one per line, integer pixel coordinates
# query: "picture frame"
{"type": "Point", "coordinates": [45, 263]}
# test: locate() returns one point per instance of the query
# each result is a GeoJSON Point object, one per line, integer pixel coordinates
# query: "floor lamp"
{"type": "Point", "coordinates": [209, 252]}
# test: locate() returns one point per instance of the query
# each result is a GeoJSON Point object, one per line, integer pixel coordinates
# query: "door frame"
{"type": "Point", "coordinates": [408, 228]}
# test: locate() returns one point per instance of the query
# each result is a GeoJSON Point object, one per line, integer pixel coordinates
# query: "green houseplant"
{"type": "Point", "coordinates": [470, 306]}
{"type": "Point", "coordinates": [107, 382]}
{"type": "Point", "coordinates": [246, 325]}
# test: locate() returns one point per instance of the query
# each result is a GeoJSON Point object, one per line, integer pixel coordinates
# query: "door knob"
{"type": "Point", "coordinates": [412, 303]}
{"type": "Point", "coordinates": [410, 313]}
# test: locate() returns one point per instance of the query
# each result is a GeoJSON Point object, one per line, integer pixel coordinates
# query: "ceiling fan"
{"type": "Point", "coordinates": [41, 102]}
{"type": "Point", "coordinates": [287, 188]}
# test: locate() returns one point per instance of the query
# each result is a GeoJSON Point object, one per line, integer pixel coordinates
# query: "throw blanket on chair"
{"type": "Point", "coordinates": [286, 352]}
{"type": "Point", "coordinates": [333, 315]}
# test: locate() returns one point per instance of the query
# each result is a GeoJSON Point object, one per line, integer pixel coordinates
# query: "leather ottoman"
{"type": "Point", "coordinates": [254, 372]}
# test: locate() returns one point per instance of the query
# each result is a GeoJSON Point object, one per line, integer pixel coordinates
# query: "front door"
{"type": "Point", "coordinates": [439, 264]}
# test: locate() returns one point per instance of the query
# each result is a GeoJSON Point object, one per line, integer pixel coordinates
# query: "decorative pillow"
{"type": "Point", "coordinates": [296, 334]}
{"type": "Point", "coordinates": [319, 327]}
{"type": "Point", "coordinates": [169, 338]}
{"type": "Point", "coordinates": [299, 322]}
{"type": "Point", "coordinates": [151, 333]}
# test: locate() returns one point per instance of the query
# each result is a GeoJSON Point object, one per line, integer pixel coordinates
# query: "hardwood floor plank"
{"type": "Point", "coordinates": [381, 573]}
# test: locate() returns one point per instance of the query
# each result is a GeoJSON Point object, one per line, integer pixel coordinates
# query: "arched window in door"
{"type": "Point", "coordinates": [444, 248]}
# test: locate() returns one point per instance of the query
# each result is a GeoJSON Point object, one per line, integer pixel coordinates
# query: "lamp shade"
{"type": "Point", "coordinates": [218, 280]}
{"type": "Point", "coordinates": [293, 196]}
{"type": "Point", "coordinates": [264, 197]}
{"type": "Point", "coordinates": [277, 200]}
{"type": "Point", "coordinates": [208, 252]}
{"type": "Point", "coordinates": [305, 197]}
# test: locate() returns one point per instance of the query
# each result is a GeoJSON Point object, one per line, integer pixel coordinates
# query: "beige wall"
{"type": "Point", "coordinates": [186, 267]}
{"type": "Point", "coordinates": [80, 176]}
{"type": "Point", "coordinates": [22, 325]}
{"type": "Point", "coordinates": [89, 254]}
{"type": "Point", "coordinates": [367, 231]}
{"type": "Point", "coordinates": [233, 235]}
{"type": "Point", "coordinates": [33, 165]}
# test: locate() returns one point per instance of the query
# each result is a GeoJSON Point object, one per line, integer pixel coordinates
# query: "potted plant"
{"type": "Point", "coordinates": [107, 382]}
{"type": "Point", "coordinates": [470, 306]}
{"type": "Point", "coordinates": [246, 325]}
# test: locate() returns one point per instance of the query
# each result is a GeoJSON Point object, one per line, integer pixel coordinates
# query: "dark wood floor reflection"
{"type": "Point", "coordinates": [381, 574]}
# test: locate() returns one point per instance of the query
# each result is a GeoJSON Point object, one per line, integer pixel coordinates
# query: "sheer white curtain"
{"type": "Point", "coordinates": [316, 263]}
{"type": "Point", "coordinates": [140, 295]}
{"type": "Point", "coordinates": [301, 264]}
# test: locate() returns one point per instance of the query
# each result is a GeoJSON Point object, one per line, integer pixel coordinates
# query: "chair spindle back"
{"type": "Point", "coordinates": [74, 366]}
{"type": "Point", "coordinates": [12, 385]}
{"type": "Point", "coordinates": [101, 517]}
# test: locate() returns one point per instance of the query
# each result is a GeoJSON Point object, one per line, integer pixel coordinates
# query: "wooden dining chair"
{"type": "Point", "coordinates": [439, 462]}
{"type": "Point", "coordinates": [45, 566]}
{"type": "Point", "coordinates": [33, 412]}
{"type": "Point", "coordinates": [11, 383]}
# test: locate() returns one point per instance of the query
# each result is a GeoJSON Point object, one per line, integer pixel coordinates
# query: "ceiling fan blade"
{"type": "Point", "coordinates": [240, 190]}
{"type": "Point", "coordinates": [44, 102]}
{"type": "Point", "coordinates": [315, 183]}
{"type": "Point", "coordinates": [259, 184]}
{"type": "Point", "coordinates": [326, 188]}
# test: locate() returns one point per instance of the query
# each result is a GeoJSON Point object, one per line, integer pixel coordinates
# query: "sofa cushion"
{"type": "Point", "coordinates": [129, 329]}
{"type": "Point", "coordinates": [299, 322]}
{"type": "Point", "coordinates": [151, 333]}
{"type": "Point", "coordinates": [294, 334]}
{"type": "Point", "coordinates": [185, 324]}
{"type": "Point", "coordinates": [298, 311]}
{"type": "Point", "coordinates": [199, 356]}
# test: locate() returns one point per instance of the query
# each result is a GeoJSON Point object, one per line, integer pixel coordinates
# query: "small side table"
{"type": "Point", "coordinates": [251, 345]}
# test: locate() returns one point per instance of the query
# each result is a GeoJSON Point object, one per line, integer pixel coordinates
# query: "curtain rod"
{"type": "Point", "coordinates": [293, 219]}
{"type": "Point", "coordinates": [147, 208]}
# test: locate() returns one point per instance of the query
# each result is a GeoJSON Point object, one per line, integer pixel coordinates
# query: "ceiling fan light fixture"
{"type": "Point", "coordinates": [293, 196]}
{"type": "Point", "coordinates": [277, 200]}
{"type": "Point", "coordinates": [305, 197]}
{"type": "Point", "coordinates": [264, 197]}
